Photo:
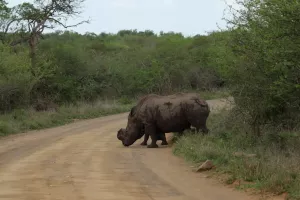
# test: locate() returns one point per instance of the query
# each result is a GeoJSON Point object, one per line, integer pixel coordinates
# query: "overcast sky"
{"type": "Point", "coordinates": [189, 17]}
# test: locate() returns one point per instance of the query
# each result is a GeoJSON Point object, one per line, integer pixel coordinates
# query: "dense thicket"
{"type": "Point", "coordinates": [265, 83]}
{"type": "Point", "coordinates": [266, 75]}
{"type": "Point", "coordinates": [72, 67]}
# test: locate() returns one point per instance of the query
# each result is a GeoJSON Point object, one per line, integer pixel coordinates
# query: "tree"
{"type": "Point", "coordinates": [32, 19]}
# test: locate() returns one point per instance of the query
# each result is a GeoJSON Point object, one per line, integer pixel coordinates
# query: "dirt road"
{"type": "Point", "coordinates": [85, 161]}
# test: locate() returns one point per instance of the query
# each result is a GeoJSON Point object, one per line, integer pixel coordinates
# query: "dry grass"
{"type": "Point", "coordinates": [274, 168]}
{"type": "Point", "coordinates": [27, 119]}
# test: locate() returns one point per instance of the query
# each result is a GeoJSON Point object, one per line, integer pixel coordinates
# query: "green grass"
{"type": "Point", "coordinates": [27, 119]}
{"type": "Point", "coordinates": [275, 168]}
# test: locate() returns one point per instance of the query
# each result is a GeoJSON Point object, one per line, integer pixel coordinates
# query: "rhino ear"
{"type": "Point", "coordinates": [132, 111]}
{"type": "Point", "coordinates": [202, 103]}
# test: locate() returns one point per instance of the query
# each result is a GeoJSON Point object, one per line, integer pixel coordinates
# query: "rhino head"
{"type": "Point", "coordinates": [134, 130]}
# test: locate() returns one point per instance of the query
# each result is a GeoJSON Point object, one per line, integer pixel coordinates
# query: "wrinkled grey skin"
{"type": "Point", "coordinates": [160, 136]}
{"type": "Point", "coordinates": [164, 114]}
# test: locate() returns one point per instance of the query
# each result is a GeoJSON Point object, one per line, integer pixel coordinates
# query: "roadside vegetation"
{"type": "Point", "coordinates": [269, 163]}
{"type": "Point", "coordinates": [257, 143]}
{"type": "Point", "coordinates": [21, 120]}
{"type": "Point", "coordinates": [51, 79]}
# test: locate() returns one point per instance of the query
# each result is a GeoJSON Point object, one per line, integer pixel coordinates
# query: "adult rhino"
{"type": "Point", "coordinates": [163, 114]}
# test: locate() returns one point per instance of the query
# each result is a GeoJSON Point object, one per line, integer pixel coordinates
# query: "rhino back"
{"type": "Point", "coordinates": [154, 106]}
{"type": "Point", "coordinates": [169, 111]}
{"type": "Point", "coordinates": [144, 100]}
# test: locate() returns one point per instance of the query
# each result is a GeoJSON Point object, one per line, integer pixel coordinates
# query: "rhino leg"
{"type": "Point", "coordinates": [163, 139]}
{"type": "Point", "coordinates": [144, 143]}
{"type": "Point", "coordinates": [151, 130]}
{"type": "Point", "coordinates": [203, 128]}
{"type": "Point", "coordinates": [199, 124]}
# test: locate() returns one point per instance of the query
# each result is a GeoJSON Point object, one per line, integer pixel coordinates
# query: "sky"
{"type": "Point", "coordinates": [190, 17]}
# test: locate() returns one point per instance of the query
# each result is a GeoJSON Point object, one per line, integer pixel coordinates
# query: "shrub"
{"type": "Point", "coordinates": [265, 77]}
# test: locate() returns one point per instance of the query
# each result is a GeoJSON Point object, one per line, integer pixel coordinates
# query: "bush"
{"type": "Point", "coordinates": [15, 78]}
{"type": "Point", "coordinates": [73, 67]}
{"type": "Point", "coordinates": [265, 77]}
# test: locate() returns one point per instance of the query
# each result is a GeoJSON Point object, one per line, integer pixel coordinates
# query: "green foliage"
{"type": "Point", "coordinates": [15, 78]}
{"type": "Point", "coordinates": [71, 67]}
{"type": "Point", "coordinates": [4, 10]}
{"type": "Point", "coordinates": [5, 14]}
{"type": "Point", "coordinates": [266, 75]}
{"type": "Point", "coordinates": [263, 72]}
{"type": "Point", "coordinates": [66, 67]}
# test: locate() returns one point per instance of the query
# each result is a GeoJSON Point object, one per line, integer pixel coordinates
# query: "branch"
{"type": "Point", "coordinates": [30, 26]}
{"type": "Point", "coordinates": [36, 18]}
{"type": "Point", "coordinates": [7, 28]}
{"type": "Point", "coordinates": [68, 26]}
{"type": "Point", "coordinates": [39, 25]}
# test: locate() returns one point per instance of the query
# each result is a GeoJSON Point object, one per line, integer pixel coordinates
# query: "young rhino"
{"type": "Point", "coordinates": [161, 136]}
